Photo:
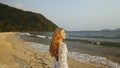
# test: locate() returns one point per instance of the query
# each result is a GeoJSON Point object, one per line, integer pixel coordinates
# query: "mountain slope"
{"type": "Point", "coordinates": [13, 19]}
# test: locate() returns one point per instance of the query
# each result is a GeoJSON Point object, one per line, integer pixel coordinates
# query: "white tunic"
{"type": "Point", "coordinates": [62, 57]}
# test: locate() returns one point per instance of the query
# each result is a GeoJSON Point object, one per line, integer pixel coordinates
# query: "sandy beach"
{"type": "Point", "coordinates": [14, 53]}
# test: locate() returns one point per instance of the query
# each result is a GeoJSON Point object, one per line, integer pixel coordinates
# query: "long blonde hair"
{"type": "Point", "coordinates": [55, 42]}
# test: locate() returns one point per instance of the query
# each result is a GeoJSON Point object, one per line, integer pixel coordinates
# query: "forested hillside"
{"type": "Point", "coordinates": [13, 19]}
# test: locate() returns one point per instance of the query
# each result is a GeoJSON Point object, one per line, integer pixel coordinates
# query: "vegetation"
{"type": "Point", "coordinates": [13, 19]}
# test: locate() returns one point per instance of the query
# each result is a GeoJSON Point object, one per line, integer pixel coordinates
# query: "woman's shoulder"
{"type": "Point", "coordinates": [63, 47]}
{"type": "Point", "coordinates": [62, 44]}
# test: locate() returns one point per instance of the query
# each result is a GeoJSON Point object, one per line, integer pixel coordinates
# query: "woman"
{"type": "Point", "coordinates": [58, 49]}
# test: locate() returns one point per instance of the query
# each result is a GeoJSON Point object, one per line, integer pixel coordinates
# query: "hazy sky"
{"type": "Point", "coordinates": [75, 14]}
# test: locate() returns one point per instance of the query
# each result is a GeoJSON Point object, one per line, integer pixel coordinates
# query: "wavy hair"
{"type": "Point", "coordinates": [55, 41]}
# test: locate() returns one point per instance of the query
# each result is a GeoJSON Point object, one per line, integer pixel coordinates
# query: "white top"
{"type": "Point", "coordinates": [62, 57]}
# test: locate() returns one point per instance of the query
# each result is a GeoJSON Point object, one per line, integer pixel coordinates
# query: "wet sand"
{"type": "Point", "coordinates": [14, 53]}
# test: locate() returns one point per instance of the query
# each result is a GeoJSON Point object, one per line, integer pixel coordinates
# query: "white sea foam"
{"type": "Point", "coordinates": [25, 34]}
{"type": "Point", "coordinates": [94, 59]}
{"type": "Point", "coordinates": [38, 46]}
{"type": "Point", "coordinates": [81, 56]}
{"type": "Point", "coordinates": [40, 36]}
{"type": "Point", "coordinates": [50, 37]}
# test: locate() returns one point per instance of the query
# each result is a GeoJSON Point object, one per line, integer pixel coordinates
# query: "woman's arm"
{"type": "Point", "coordinates": [62, 55]}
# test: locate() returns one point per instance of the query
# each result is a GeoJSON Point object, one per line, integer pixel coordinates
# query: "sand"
{"type": "Point", "coordinates": [14, 53]}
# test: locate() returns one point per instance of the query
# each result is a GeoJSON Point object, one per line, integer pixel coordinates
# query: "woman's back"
{"type": "Point", "coordinates": [62, 57]}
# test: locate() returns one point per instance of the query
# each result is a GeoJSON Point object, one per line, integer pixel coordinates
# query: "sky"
{"type": "Point", "coordinates": [74, 15]}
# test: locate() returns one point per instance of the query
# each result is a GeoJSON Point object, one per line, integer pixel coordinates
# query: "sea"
{"type": "Point", "coordinates": [96, 47]}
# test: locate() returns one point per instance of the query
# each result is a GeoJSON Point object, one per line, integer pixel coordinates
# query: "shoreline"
{"type": "Point", "coordinates": [81, 57]}
{"type": "Point", "coordinates": [14, 53]}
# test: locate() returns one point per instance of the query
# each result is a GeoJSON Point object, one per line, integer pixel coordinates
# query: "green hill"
{"type": "Point", "coordinates": [13, 19]}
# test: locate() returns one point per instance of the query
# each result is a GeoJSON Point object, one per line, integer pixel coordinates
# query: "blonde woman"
{"type": "Point", "coordinates": [58, 49]}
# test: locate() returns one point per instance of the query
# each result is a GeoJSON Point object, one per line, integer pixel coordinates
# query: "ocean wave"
{"type": "Point", "coordinates": [25, 34]}
{"type": "Point", "coordinates": [94, 59]}
{"type": "Point", "coordinates": [40, 36]}
{"type": "Point", "coordinates": [38, 46]}
{"type": "Point", "coordinates": [85, 39]}
{"type": "Point", "coordinates": [50, 37]}
{"type": "Point", "coordinates": [80, 56]}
